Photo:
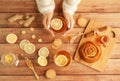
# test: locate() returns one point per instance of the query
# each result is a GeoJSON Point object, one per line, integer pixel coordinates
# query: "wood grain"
{"type": "Point", "coordinates": [73, 69]}
{"type": "Point", "coordinates": [104, 11]}
{"type": "Point", "coordinates": [84, 6]}
{"type": "Point", "coordinates": [15, 49]}
{"type": "Point", "coordinates": [64, 78]}
{"type": "Point", "coordinates": [40, 33]}
{"type": "Point", "coordinates": [110, 19]}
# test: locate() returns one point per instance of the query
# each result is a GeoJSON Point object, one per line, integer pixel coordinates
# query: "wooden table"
{"type": "Point", "coordinates": [105, 11]}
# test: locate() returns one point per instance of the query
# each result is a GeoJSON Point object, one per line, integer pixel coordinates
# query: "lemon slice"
{"type": "Point", "coordinates": [57, 42]}
{"type": "Point", "coordinates": [29, 48]}
{"type": "Point", "coordinates": [42, 61]}
{"type": "Point", "coordinates": [56, 24]}
{"type": "Point", "coordinates": [82, 22]}
{"type": "Point", "coordinates": [50, 73]}
{"type": "Point", "coordinates": [11, 38]}
{"type": "Point", "coordinates": [44, 51]}
{"type": "Point", "coordinates": [23, 43]}
{"type": "Point", "coordinates": [61, 60]}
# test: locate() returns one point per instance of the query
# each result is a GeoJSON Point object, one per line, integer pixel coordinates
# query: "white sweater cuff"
{"type": "Point", "coordinates": [70, 6]}
{"type": "Point", "coordinates": [45, 6]}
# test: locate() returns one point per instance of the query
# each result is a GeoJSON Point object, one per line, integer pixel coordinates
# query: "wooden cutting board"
{"type": "Point", "coordinates": [100, 64]}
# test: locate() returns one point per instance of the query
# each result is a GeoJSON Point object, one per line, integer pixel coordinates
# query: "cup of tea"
{"type": "Point", "coordinates": [62, 58]}
{"type": "Point", "coordinates": [58, 24]}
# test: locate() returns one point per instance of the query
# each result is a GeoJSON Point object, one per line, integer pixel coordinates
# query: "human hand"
{"type": "Point", "coordinates": [70, 22]}
{"type": "Point", "coordinates": [46, 22]}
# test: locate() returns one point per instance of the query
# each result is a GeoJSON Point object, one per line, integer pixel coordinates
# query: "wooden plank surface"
{"type": "Point", "coordinates": [65, 78]}
{"type": "Point", "coordinates": [73, 69]}
{"type": "Point", "coordinates": [39, 34]}
{"type": "Point", "coordinates": [115, 53]}
{"type": "Point", "coordinates": [111, 19]}
{"type": "Point", "coordinates": [104, 11]}
{"type": "Point", "coordinates": [84, 6]}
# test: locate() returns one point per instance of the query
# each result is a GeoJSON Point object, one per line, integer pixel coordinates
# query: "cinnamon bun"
{"type": "Point", "coordinates": [90, 52]}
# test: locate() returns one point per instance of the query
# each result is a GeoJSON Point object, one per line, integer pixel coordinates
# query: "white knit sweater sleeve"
{"type": "Point", "coordinates": [70, 6]}
{"type": "Point", "coordinates": [45, 6]}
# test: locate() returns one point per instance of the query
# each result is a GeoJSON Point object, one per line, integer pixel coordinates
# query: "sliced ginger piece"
{"type": "Point", "coordinates": [23, 32]}
{"type": "Point", "coordinates": [55, 47]}
{"type": "Point", "coordinates": [57, 42]}
{"type": "Point", "coordinates": [21, 22]}
{"type": "Point", "coordinates": [33, 36]}
{"type": "Point", "coordinates": [40, 40]}
{"type": "Point", "coordinates": [29, 21]}
{"type": "Point", "coordinates": [32, 29]}
{"type": "Point", "coordinates": [27, 16]}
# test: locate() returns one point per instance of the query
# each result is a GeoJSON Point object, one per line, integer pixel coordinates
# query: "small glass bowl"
{"type": "Point", "coordinates": [64, 27]}
{"type": "Point", "coordinates": [9, 59]}
{"type": "Point", "coordinates": [64, 54]}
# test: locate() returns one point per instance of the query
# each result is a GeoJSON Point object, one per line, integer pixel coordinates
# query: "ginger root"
{"type": "Point", "coordinates": [28, 21]}
{"type": "Point", "coordinates": [21, 22]}
{"type": "Point", "coordinates": [15, 18]}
